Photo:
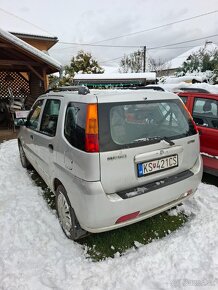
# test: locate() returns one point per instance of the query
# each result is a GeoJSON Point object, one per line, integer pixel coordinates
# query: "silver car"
{"type": "Point", "coordinates": [112, 158]}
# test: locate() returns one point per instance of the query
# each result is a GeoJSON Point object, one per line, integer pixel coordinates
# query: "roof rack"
{"type": "Point", "coordinates": [82, 90]}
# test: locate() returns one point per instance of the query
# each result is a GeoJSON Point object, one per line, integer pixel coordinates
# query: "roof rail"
{"type": "Point", "coordinates": [82, 90]}
{"type": "Point", "coordinates": [194, 90]}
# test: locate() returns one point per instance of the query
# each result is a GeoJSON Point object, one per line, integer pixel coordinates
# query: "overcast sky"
{"type": "Point", "coordinates": [90, 21]}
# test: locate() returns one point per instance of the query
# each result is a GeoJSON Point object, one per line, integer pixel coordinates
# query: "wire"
{"type": "Point", "coordinates": [95, 45]}
{"type": "Point", "coordinates": [9, 13]}
{"type": "Point", "coordinates": [130, 46]}
{"type": "Point", "coordinates": [109, 60]}
{"type": "Point", "coordinates": [157, 27]}
{"type": "Point", "coordinates": [166, 45]}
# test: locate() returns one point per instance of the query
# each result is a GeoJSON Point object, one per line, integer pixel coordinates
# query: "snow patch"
{"type": "Point", "coordinates": [35, 254]}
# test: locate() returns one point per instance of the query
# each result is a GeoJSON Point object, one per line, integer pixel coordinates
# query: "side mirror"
{"type": "Point", "coordinates": [20, 118]}
{"type": "Point", "coordinates": [20, 122]}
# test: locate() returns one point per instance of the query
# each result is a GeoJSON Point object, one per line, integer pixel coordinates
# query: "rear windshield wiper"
{"type": "Point", "coordinates": [168, 140]}
{"type": "Point", "coordinates": [156, 139]}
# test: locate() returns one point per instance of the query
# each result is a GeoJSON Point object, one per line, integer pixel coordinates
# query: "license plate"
{"type": "Point", "coordinates": [153, 166]}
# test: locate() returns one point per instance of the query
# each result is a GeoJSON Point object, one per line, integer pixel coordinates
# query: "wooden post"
{"type": "Point", "coordinates": [144, 59]}
{"type": "Point", "coordinates": [45, 80]}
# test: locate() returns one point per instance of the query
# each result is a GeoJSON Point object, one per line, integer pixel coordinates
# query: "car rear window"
{"type": "Point", "coordinates": [74, 126]}
{"type": "Point", "coordinates": [124, 125]}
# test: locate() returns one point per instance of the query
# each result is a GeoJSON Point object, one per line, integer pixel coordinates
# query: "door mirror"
{"type": "Point", "coordinates": [20, 122]}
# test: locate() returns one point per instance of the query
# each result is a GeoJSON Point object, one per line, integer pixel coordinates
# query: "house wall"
{"type": "Point", "coordinates": [166, 72]}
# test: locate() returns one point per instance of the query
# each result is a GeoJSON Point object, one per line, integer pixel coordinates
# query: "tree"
{"type": "Point", "coordinates": [201, 61]}
{"type": "Point", "coordinates": [132, 63]}
{"type": "Point", "coordinates": [157, 65]}
{"type": "Point", "coordinates": [83, 62]}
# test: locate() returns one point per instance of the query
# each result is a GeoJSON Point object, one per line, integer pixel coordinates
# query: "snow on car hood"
{"type": "Point", "coordinates": [34, 253]}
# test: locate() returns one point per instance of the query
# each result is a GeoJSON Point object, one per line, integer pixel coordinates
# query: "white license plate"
{"type": "Point", "coordinates": [153, 166]}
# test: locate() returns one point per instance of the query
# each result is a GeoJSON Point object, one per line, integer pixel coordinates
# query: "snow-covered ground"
{"type": "Point", "coordinates": [34, 253]}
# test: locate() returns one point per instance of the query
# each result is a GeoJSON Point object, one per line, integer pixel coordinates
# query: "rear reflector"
{"type": "Point", "coordinates": [92, 144]}
{"type": "Point", "coordinates": [127, 217]}
{"type": "Point", "coordinates": [91, 131]}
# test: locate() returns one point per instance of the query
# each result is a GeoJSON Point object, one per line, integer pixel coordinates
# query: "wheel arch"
{"type": "Point", "coordinates": [56, 183]}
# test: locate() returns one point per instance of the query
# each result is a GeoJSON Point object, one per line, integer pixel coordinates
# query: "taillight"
{"type": "Point", "coordinates": [190, 117]}
{"type": "Point", "coordinates": [91, 131]}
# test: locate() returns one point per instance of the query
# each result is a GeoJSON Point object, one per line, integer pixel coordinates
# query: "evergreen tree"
{"type": "Point", "coordinates": [201, 61]}
{"type": "Point", "coordinates": [83, 63]}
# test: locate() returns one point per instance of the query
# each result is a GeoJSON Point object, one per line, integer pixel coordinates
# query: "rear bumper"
{"type": "Point", "coordinates": [99, 212]}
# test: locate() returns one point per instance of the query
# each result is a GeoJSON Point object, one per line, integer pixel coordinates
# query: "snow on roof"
{"type": "Point", "coordinates": [186, 78]}
{"type": "Point", "coordinates": [13, 24]}
{"type": "Point", "coordinates": [179, 60]}
{"type": "Point", "coordinates": [175, 87]}
{"type": "Point", "coordinates": [119, 76]}
{"type": "Point", "coordinates": [29, 48]}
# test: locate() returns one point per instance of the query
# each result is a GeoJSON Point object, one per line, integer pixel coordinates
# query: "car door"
{"type": "Point", "coordinates": [45, 139]}
{"type": "Point", "coordinates": [28, 133]}
{"type": "Point", "coordinates": [205, 115]}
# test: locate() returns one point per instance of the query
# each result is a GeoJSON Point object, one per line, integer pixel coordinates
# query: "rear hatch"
{"type": "Point", "coordinates": [144, 140]}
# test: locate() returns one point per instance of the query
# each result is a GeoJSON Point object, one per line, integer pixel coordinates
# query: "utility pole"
{"type": "Point", "coordinates": [144, 58]}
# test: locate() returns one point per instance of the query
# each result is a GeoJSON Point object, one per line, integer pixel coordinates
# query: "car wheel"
{"type": "Point", "coordinates": [66, 215]}
{"type": "Point", "coordinates": [24, 161]}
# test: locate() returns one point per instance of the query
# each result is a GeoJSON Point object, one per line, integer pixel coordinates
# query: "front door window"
{"type": "Point", "coordinates": [33, 118]}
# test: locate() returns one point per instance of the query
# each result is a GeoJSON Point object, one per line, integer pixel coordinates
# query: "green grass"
{"type": "Point", "coordinates": [101, 246]}
{"type": "Point", "coordinates": [104, 245]}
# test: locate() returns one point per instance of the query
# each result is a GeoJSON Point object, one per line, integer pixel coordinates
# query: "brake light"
{"type": "Point", "coordinates": [127, 217]}
{"type": "Point", "coordinates": [91, 130]}
{"type": "Point", "coordinates": [190, 117]}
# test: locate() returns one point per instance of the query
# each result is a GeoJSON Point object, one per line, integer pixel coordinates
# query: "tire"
{"type": "Point", "coordinates": [24, 161]}
{"type": "Point", "coordinates": [66, 215]}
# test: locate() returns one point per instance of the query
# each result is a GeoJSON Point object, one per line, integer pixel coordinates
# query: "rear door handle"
{"type": "Point", "coordinates": [51, 147]}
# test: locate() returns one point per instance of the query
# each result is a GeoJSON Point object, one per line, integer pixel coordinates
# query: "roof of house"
{"type": "Point", "coordinates": [180, 59]}
{"type": "Point", "coordinates": [29, 49]}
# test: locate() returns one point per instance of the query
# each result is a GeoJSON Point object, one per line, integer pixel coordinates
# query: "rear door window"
{"type": "Point", "coordinates": [50, 117]}
{"type": "Point", "coordinates": [205, 112]}
{"type": "Point", "coordinates": [136, 124]}
{"type": "Point", "coordinates": [74, 126]}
